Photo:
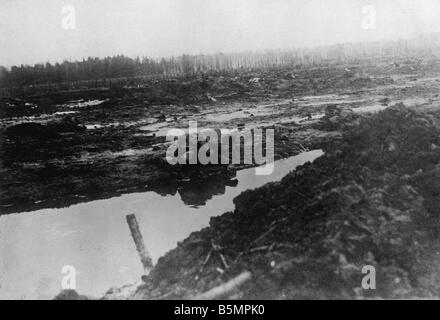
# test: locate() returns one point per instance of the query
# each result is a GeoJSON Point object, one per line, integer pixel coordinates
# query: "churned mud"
{"type": "Point", "coordinates": [371, 198]}
{"type": "Point", "coordinates": [67, 147]}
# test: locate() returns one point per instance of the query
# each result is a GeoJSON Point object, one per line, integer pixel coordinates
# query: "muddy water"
{"type": "Point", "coordinates": [94, 238]}
{"type": "Point", "coordinates": [372, 109]}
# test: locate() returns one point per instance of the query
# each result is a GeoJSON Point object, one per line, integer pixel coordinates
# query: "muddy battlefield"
{"type": "Point", "coordinates": [350, 209]}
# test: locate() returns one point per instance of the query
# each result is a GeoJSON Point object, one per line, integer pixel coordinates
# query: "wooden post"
{"type": "Point", "coordinates": [140, 246]}
{"type": "Point", "coordinates": [225, 289]}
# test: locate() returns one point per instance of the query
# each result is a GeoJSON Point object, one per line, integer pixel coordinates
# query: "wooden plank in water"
{"type": "Point", "coordinates": [138, 240]}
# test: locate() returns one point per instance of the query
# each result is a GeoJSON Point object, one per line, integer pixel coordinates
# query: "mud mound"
{"type": "Point", "coordinates": [33, 141]}
{"type": "Point", "coordinates": [372, 201]}
{"type": "Point", "coordinates": [400, 138]}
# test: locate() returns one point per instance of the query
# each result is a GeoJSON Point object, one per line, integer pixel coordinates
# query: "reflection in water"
{"type": "Point", "coordinates": [199, 186]}
{"type": "Point", "coordinates": [94, 238]}
{"type": "Point", "coordinates": [198, 194]}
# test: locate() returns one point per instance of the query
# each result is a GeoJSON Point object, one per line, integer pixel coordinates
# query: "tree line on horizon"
{"type": "Point", "coordinates": [121, 66]}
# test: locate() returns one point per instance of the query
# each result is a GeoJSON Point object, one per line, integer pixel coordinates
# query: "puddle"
{"type": "Point", "coordinates": [372, 109]}
{"type": "Point", "coordinates": [326, 102]}
{"type": "Point", "coordinates": [409, 102]}
{"type": "Point", "coordinates": [124, 124]}
{"type": "Point", "coordinates": [82, 103]}
{"type": "Point", "coordinates": [94, 238]}
{"type": "Point", "coordinates": [43, 118]}
{"type": "Point", "coordinates": [94, 126]}
{"type": "Point", "coordinates": [61, 113]}
{"type": "Point", "coordinates": [155, 127]}
{"type": "Point", "coordinates": [162, 129]}
{"type": "Point", "coordinates": [223, 117]}
{"type": "Point", "coordinates": [261, 110]}
{"type": "Point", "coordinates": [285, 120]}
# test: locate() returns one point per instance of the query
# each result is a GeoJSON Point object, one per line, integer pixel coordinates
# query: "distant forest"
{"type": "Point", "coordinates": [122, 67]}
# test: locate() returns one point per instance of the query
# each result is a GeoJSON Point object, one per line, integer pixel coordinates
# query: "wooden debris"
{"type": "Point", "coordinates": [226, 288]}
{"type": "Point", "coordinates": [140, 246]}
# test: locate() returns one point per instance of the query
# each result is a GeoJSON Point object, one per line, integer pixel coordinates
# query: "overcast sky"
{"type": "Point", "coordinates": [31, 30]}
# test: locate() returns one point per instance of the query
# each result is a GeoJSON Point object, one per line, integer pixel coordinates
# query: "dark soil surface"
{"type": "Point", "coordinates": [372, 199]}
{"type": "Point", "coordinates": [61, 148]}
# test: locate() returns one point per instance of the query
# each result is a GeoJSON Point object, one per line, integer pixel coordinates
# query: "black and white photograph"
{"type": "Point", "coordinates": [219, 150]}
